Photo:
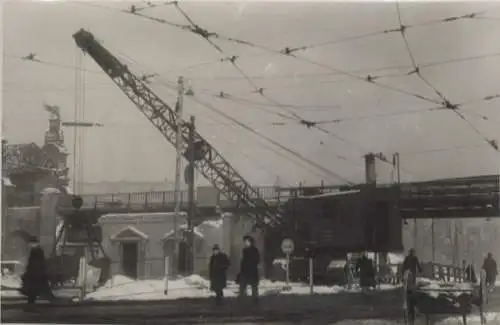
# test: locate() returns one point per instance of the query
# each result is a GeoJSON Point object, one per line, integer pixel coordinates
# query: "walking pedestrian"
{"type": "Point", "coordinates": [249, 269]}
{"type": "Point", "coordinates": [410, 268]}
{"type": "Point", "coordinates": [490, 267]}
{"type": "Point", "coordinates": [219, 263]}
{"type": "Point", "coordinates": [35, 280]}
{"type": "Point", "coordinates": [348, 272]}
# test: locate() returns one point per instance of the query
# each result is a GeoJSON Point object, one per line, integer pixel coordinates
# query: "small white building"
{"type": "Point", "coordinates": [138, 243]}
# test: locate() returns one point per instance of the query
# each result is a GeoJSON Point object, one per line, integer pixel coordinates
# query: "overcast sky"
{"type": "Point", "coordinates": [129, 148]}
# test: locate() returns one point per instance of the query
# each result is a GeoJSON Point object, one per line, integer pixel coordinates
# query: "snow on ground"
{"type": "Point", "coordinates": [492, 319]}
{"type": "Point", "coordinates": [194, 286]}
{"type": "Point", "coordinates": [10, 283]}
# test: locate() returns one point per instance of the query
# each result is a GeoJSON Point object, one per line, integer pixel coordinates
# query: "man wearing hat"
{"type": "Point", "coordinates": [249, 269]}
{"type": "Point", "coordinates": [219, 263]}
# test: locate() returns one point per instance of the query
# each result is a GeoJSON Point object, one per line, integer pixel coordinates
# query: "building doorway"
{"type": "Point", "coordinates": [130, 259]}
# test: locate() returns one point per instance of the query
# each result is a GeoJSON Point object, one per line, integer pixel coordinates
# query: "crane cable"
{"type": "Point", "coordinates": [83, 133]}
{"type": "Point", "coordinates": [78, 58]}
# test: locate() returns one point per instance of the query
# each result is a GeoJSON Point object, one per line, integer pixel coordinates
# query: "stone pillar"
{"type": "Point", "coordinates": [226, 229]}
{"type": "Point", "coordinates": [48, 220]}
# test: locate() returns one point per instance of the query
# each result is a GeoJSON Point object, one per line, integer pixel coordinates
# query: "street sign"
{"type": "Point", "coordinates": [287, 246]}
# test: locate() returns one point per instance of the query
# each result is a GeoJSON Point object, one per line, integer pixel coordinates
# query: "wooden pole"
{"type": "Point", "coordinates": [191, 200]}
{"type": "Point", "coordinates": [178, 166]}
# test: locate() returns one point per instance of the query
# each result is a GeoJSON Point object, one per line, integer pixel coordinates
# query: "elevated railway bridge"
{"type": "Point", "coordinates": [469, 197]}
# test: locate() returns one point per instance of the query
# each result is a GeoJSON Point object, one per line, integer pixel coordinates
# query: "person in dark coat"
{"type": "Point", "coordinates": [366, 271]}
{"type": "Point", "coordinates": [469, 273]}
{"type": "Point", "coordinates": [249, 269]}
{"type": "Point", "coordinates": [411, 265]}
{"type": "Point", "coordinates": [490, 267]}
{"type": "Point", "coordinates": [35, 280]}
{"type": "Point", "coordinates": [219, 263]}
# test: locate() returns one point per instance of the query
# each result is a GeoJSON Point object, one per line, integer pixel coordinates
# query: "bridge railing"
{"type": "Point", "coordinates": [391, 273]}
{"type": "Point", "coordinates": [160, 198]}
{"type": "Point", "coordinates": [415, 195]}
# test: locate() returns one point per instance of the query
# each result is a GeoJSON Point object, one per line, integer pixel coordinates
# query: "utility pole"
{"type": "Point", "coordinates": [371, 182]}
{"type": "Point", "coordinates": [433, 241]}
{"type": "Point", "coordinates": [178, 162]}
{"type": "Point", "coordinates": [192, 206]}
{"type": "Point", "coordinates": [398, 168]}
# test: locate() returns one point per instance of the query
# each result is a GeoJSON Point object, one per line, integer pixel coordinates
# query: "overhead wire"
{"type": "Point", "coordinates": [267, 147]}
{"type": "Point", "coordinates": [204, 34]}
{"type": "Point", "coordinates": [295, 154]}
{"type": "Point", "coordinates": [482, 117]}
{"type": "Point", "coordinates": [289, 76]}
{"type": "Point", "coordinates": [332, 175]}
{"type": "Point", "coordinates": [232, 59]}
{"type": "Point", "coordinates": [450, 19]}
{"type": "Point", "coordinates": [34, 58]}
{"type": "Point", "coordinates": [308, 124]}
{"type": "Point", "coordinates": [413, 111]}
{"type": "Point", "coordinates": [445, 101]}
{"type": "Point", "coordinates": [440, 150]}
{"type": "Point", "coordinates": [443, 20]}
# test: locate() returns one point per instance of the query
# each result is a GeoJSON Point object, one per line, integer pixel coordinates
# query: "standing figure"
{"type": "Point", "coordinates": [490, 267]}
{"type": "Point", "coordinates": [411, 263]}
{"type": "Point", "coordinates": [219, 263]}
{"type": "Point", "coordinates": [469, 273]}
{"type": "Point", "coordinates": [348, 272]}
{"type": "Point", "coordinates": [410, 268]}
{"type": "Point", "coordinates": [35, 280]}
{"type": "Point", "coordinates": [249, 269]}
{"type": "Point", "coordinates": [366, 271]}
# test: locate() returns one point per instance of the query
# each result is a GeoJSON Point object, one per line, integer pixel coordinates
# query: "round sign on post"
{"type": "Point", "coordinates": [287, 246]}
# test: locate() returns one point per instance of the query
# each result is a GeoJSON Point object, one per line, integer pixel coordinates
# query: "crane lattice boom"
{"type": "Point", "coordinates": [210, 163]}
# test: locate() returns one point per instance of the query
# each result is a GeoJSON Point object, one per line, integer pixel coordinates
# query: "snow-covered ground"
{"type": "Point", "coordinates": [194, 286]}
{"type": "Point", "coordinates": [10, 283]}
{"type": "Point", "coordinates": [123, 288]}
{"type": "Point", "coordinates": [434, 287]}
{"type": "Point", "coordinates": [492, 319]}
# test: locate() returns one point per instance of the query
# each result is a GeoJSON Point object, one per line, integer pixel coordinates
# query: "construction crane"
{"type": "Point", "coordinates": [208, 161]}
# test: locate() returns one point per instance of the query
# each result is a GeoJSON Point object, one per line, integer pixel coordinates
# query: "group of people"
{"type": "Point", "coordinates": [364, 268]}
{"type": "Point", "coordinates": [247, 277]}
{"type": "Point", "coordinates": [35, 280]}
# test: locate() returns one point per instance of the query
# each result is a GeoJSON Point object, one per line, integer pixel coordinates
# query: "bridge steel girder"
{"type": "Point", "coordinates": [450, 213]}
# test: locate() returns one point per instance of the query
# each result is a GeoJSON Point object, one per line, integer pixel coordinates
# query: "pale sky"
{"type": "Point", "coordinates": [129, 148]}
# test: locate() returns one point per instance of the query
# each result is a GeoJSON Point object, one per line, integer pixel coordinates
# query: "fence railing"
{"type": "Point", "coordinates": [145, 200]}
